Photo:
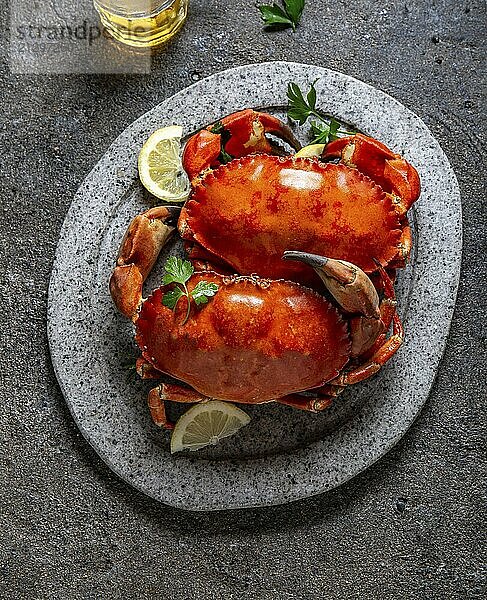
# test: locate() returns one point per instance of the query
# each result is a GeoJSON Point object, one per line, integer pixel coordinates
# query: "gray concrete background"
{"type": "Point", "coordinates": [413, 525]}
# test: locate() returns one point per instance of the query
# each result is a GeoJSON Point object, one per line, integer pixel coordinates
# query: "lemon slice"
{"type": "Point", "coordinates": [310, 151]}
{"type": "Point", "coordinates": [205, 424]}
{"type": "Point", "coordinates": [160, 169]}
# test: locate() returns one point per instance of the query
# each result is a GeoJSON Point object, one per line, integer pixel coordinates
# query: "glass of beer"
{"type": "Point", "coordinates": [142, 23]}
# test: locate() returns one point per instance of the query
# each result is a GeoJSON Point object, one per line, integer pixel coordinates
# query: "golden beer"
{"type": "Point", "coordinates": [142, 23]}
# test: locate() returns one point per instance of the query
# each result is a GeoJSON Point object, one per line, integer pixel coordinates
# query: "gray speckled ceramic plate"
{"type": "Point", "coordinates": [284, 454]}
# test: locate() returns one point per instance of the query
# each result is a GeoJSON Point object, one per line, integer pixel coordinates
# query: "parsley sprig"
{"type": "Point", "coordinates": [300, 109]}
{"type": "Point", "coordinates": [225, 135]}
{"type": "Point", "coordinates": [289, 16]}
{"type": "Point", "coordinates": [179, 271]}
{"type": "Point", "coordinates": [324, 132]}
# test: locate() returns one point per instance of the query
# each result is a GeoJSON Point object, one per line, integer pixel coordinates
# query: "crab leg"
{"type": "Point", "coordinates": [381, 356]}
{"type": "Point", "coordinates": [145, 370]}
{"type": "Point", "coordinates": [387, 312]}
{"type": "Point", "coordinates": [349, 285]}
{"type": "Point", "coordinates": [329, 390]}
{"type": "Point", "coordinates": [404, 246]}
{"type": "Point", "coordinates": [175, 393]}
{"type": "Point", "coordinates": [146, 236]}
{"type": "Point", "coordinates": [201, 152]}
{"type": "Point", "coordinates": [310, 404]}
{"type": "Point", "coordinates": [203, 260]}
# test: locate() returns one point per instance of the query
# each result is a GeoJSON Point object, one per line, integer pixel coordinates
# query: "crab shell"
{"type": "Point", "coordinates": [248, 212]}
{"type": "Point", "coordinates": [255, 341]}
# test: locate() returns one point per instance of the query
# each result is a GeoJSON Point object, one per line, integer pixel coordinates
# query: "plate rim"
{"type": "Point", "coordinates": [58, 261]}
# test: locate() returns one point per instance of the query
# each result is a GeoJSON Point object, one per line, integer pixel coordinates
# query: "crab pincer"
{"type": "Point", "coordinates": [239, 134]}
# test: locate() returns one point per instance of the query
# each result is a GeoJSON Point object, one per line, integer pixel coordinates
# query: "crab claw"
{"type": "Point", "coordinates": [241, 133]}
{"type": "Point", "coordinates": [248, 130]}
{"type": "Point", "coordinates": [145, 237]}
{"type": "Point", "coordinates": [347, 283]}
{"type": "Point", "coordinates": [201, 152]}
{"type": "Point", "coordinates": [393, 173]}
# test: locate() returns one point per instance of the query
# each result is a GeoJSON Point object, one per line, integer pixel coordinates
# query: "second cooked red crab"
{"type": "Point", "coordinates": [256, 340]}
{"type": "Point", "coordinates": [244, 214]}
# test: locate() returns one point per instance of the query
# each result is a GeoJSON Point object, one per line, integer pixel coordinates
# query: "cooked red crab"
{"type": "Point", "coordinates": [246, 213]}
{"type": "Point", "coordinates": [256, 340]}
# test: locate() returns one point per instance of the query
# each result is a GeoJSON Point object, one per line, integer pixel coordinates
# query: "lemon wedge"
{"type": "Point", "coordinates": [160, 169]}
{"type": "Point", "coordinates": [310, 151]}
{"type": "Point", "coordinates": [205, 424]}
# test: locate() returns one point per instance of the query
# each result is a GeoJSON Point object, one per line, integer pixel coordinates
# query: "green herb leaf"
{"type": "Point", "coordinates": [171, 298]}
{"type": "Point", "coordinates": [275, 15]}
{"type": "Point", "coordinates": [294, 10]}
{"type": "Point", "coordinates": [224, 157]}
{"type": "Point", "coordinates": [289, 16]}
{"type": "Point", "coordinates": [225, 135]}
{"type": "Point", "coordinates": [295, 96]}
{"type": "Point", "coordinates": [204, 290]}
{"type": "Point", "coordinates": [324, 133]}
{"type": "Point", "coordinates": [311, 97]}
{"type": "Point", "coordinates": [177, 270]}
{"type": "Point", "coordinates": [321, 133]}
{"type": "Point", "coordinates": [217, 128]}
{"type": "Point", "coordinates": [334, 129]}
{"type": "Point", "coordinates": [299, 108]}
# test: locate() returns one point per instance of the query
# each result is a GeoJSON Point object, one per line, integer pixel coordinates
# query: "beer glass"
{"type": "Point", "coordinates": [142, 23]}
